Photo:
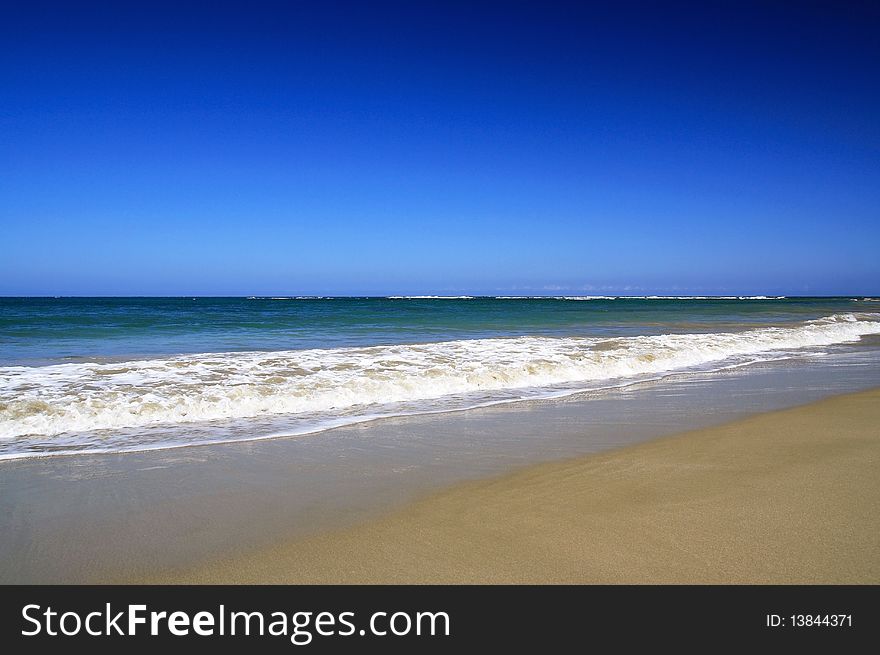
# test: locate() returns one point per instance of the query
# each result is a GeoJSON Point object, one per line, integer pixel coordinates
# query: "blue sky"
{"type": "Point", "coordinates": [335, 148]}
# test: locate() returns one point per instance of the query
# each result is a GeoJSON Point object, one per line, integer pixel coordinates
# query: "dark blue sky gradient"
{"type": "Point", "coordinates": [378, 148]}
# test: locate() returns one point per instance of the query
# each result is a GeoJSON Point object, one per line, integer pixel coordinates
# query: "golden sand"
{"type": "Point", "coordinates": [784, 497]}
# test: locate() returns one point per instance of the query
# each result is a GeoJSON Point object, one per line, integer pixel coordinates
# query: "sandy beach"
{"type": "Point", "coordinates": [782, 497]}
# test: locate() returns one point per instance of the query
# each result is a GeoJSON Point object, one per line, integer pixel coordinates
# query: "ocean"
{"type": "Point", "coordinates": [92, 375]}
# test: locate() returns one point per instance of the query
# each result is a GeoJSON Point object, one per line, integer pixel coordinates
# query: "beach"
{"type": "Point", "coordinates": [422, 326]}
{"type": "Point", "coordinates": [437, 439]}
{"type": "Point", "coordinates": [781, 497]}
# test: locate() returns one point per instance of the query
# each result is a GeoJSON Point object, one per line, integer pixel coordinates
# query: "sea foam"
{"type": "Point", "coordinates": [50, 400]}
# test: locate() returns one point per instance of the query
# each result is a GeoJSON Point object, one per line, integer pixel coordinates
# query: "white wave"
{"type": "Point", "coordinates": [429, 297]}
{"type": "Point", "coordinates": [588, 298]}
{"type": "Point", "coordinates": [80, 397]}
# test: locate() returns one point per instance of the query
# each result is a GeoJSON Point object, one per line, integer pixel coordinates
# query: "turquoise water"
{"type": "Point", "coordinates": [116, 374]}
{"type": "Point", "coordinates": [45, 330]}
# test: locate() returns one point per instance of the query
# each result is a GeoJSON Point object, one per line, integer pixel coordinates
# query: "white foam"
{"type": "Point", "coordinates": [588, 298]}
{"type": "Point", "coordinates": [82, 397]}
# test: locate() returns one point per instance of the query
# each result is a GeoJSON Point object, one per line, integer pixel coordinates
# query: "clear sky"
{"type": "Point", "coordinates": [452, 147]}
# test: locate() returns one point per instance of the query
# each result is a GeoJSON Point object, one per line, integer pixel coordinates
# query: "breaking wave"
{"type": "Point", "coordinates": [43, 409]}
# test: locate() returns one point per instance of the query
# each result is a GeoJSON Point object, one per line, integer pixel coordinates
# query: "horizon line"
{"type": "Point", "coordinates": [681, 296]}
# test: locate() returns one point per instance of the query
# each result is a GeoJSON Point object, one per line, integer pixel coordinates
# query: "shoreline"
{"type": "Point", "coordinates": [787, 496]}
{"type": "Point", "coordinates": [88, 519]}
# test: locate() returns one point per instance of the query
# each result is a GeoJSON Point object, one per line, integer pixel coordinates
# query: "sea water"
{"type": "Point", "coordinates": [126, 374]}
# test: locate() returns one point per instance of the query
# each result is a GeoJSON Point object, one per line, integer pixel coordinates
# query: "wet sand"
{"type": "Point", "coordinates": [783, 497]}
